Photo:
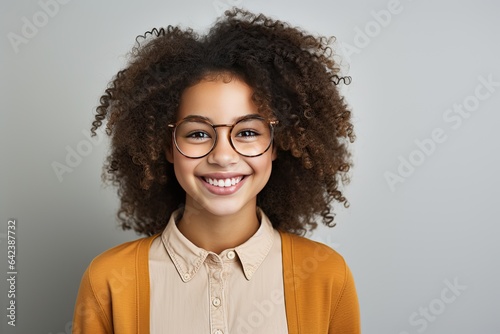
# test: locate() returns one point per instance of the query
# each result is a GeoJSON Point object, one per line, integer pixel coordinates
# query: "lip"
{"type": "Point", "coordinates": [223, 175]}
{"type": "Point", "coordinates": [222, 190]}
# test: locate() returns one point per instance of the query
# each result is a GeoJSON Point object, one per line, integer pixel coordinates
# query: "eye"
{"type": "Point", "coordinates": [248, 133]}
{"type": "Point", "coordinates": [198, 135]}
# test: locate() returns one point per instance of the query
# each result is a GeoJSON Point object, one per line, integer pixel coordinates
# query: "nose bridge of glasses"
{"type": "Point", "coordinates": [219, 135]}
{"type": "Point", "coordinates": [215, 126]}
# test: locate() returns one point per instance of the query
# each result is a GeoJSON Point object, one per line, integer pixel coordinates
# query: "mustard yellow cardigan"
{"type": "Point", "coordinates": [320, 296]}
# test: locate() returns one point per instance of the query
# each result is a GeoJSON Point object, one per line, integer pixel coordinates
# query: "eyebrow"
{"type": "Point", "coordinates": [209, 120]}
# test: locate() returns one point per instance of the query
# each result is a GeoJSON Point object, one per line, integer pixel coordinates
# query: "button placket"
{"type": "Point", "coordinates": [216, 283]}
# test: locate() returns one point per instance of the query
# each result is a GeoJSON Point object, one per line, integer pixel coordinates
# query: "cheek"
{"type": "Point", "coordinates": [263, 167]}
{"type": "Point", "coordinates": [183, 168]}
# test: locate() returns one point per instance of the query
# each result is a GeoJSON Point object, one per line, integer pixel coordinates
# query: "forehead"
{"type": "Point", "coordinates": [220, 100]}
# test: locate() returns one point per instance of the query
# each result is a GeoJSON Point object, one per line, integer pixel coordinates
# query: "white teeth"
{"type": "Point", "coordinates": [224, 182]}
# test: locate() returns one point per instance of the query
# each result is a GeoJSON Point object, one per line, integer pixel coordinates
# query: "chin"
{"type": "Point", "coordinates": [223, 210]}
{"type": "Point", "coordinates": [225, 207]}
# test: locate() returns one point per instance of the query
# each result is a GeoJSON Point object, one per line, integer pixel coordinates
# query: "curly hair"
{"type": "Point", "coordinates": [293, 77]}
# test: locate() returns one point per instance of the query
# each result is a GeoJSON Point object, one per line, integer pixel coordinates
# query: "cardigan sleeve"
{"type": "Point", "coordinates": [345, 318]}
{"type": "Point", "coordinates": [89, 316]}
{"type": "Point", "coordinates": [320, 295]}
{"type": "Point", "coordinates": [114, 291]}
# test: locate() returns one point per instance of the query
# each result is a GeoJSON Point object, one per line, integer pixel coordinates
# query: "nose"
{"type": "Point", "coordinates": [223, 153]}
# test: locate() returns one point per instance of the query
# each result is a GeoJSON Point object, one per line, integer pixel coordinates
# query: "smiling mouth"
{"type": "Point", "coordinates": [222, 183]}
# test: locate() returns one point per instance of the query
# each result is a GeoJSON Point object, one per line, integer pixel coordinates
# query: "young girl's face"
{"type": "Point", "coordinates": [222, 183]}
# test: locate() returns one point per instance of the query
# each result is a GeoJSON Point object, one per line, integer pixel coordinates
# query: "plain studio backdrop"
{"type": "Point", "coordinates": [422, 232]}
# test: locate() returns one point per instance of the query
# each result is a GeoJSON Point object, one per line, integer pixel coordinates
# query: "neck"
{"type": "Point", "coordinates": [217, 233]}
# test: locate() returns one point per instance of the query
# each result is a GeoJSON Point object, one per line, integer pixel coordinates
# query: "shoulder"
{"type": "Point", "coordinates": [306, 250]}
{"type": "Point", "coordinates": [121, 261]}
{"type": "Point", "coordinates": [311, 262]}
{"type": "Point", "coordinates": [111, 286]}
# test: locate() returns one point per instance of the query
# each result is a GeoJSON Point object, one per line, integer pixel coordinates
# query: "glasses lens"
{"type": "Point", "coordinates": [251, 136]}
{"type": "Point", "coordinates": [194, 138]}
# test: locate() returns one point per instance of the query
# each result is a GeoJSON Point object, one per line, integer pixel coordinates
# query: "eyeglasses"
{"type": "Point", "coordinates": [195, 137]}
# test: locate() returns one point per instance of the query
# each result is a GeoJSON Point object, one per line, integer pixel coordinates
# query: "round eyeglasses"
{"type": "Point", "coordinates": [195, 137]}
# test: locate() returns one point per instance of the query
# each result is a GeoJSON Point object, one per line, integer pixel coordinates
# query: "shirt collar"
{"type": "Point", "coordinates": [188, 258]}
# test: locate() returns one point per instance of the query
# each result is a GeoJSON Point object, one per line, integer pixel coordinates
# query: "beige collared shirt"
{"type": "Point", "coordinates": [237, 291]}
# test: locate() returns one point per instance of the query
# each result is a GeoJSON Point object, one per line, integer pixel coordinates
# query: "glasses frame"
{"type": "Point", "coordinates": [271, 124]}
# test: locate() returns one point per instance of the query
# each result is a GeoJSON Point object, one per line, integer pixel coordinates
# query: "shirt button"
{"type": "Point", "coordinates": [186, 276]}
{"type": "Point", "coordinates": [217, 275]}
{"type": "Point", "coordinates": [218, 331]}
{"type": "Point", "coordinates": [230, 255]}
{"type": "Point", "coordinates": [216, 302]}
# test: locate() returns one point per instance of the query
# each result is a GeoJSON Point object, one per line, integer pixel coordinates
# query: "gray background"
{"type": "Point", "coordinates": [403, 243]}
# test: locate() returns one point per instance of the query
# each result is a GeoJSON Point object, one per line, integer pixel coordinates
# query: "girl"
{"type": "Point", "coordinates": [225, 149]}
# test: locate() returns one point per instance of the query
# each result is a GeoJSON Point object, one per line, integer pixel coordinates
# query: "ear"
{"type": "Point", "coordinates": [169, 154]}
